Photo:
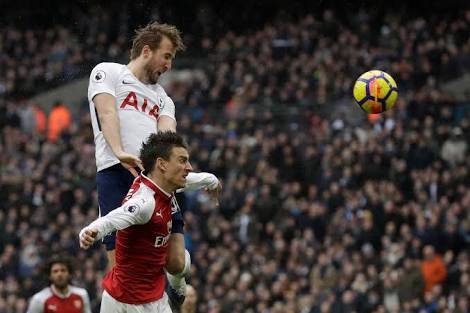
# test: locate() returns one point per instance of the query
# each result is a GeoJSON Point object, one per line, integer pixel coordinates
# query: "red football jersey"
{"type": "Point", "coordinates": [141, 249]}
{"type": "Point", "coordinates": [49, 301]}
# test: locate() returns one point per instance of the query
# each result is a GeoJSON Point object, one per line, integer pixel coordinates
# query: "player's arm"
{"type": "Point", "coordinates": [175, 254]}
{"type": "Point", "coordinates": [102, 92]}
{"type": "Point", "coordinates": [86, 303]}
{"type": "Point", "coordinates": [166, 117]}
{"type": "Point", "coordinates": [166, 123]}
{"type": "Point", "coordinates": [133, 212]}
{"type": "Point", "coordinates": [109, 120]}
{"type": "Point", "coordinates": [203, 180]}
{"type": "Point", "coordinates": [35, 305]}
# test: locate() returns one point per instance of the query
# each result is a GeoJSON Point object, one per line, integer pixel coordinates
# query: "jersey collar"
{"type": "Point", "coordinates": [59, 294]}
{"type": "Point", "coordinates": [150, 183]}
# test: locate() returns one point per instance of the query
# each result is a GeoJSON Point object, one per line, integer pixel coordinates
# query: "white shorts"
{"type": "Point", "coordinates": [111, 305]}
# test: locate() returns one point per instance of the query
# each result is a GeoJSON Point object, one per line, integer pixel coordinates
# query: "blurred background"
{"type": "Point", "coordinates": [324, 209]}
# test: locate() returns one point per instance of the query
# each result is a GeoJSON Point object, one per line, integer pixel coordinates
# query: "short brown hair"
{"type": "Point", "coordinates": [63, 259]}
{"type": "Point", "coordinates": [159, 145]}
{"type": "Point", "coordinates": [152, 35]}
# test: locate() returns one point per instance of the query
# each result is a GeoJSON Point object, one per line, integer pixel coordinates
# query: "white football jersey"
{"type": "Point", "coordinates": [138, 105]}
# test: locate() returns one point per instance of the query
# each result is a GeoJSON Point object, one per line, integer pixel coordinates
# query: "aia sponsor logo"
{"type": "Point", "coordinates": [143, 106]}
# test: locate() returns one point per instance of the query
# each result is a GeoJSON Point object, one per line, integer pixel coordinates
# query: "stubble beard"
{"type": "Point", "coordinates": [150, 75]}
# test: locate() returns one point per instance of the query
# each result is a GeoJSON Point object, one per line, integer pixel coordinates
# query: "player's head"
{"type": "Point", "coordinates": [166, 153]}
{"type": "Point", "coordinates": [156, 44]}
{"type": "Point", "coordinates": [59, 270]}
{"type": "Point", "coordinates": [190, 301]}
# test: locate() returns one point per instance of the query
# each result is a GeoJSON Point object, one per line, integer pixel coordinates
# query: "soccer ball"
{"type": "Point", "coordinates": [375, 91]}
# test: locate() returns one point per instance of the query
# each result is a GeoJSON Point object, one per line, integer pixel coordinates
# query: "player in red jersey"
{"type": "Point", "coordinates": [60, 296]}
{"type": "Point", "coordinates": [136, 283]}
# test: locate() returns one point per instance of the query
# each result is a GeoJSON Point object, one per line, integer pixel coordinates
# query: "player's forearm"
{"type": "Point", "coordinates": [111, 131]}
{"type": "Point", "coordinates": [196, 181]}
{"type": "Point", "coordinates": [103, 225]}
{"type": "Point", "coordinates": [175, 255]}
{"type": "Point", "coordinates": [117, 219]}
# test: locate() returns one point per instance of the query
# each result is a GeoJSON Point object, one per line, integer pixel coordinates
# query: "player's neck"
{"type": "Point", "coordinates": [60, 291]}
{"type": "Point", "coordinates": [137, 69]}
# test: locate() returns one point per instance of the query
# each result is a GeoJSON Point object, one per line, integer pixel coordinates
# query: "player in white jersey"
{"type": "Point", "coordinates": [127, 105]}
{"type": "Point", "coordinates": [60, 296]}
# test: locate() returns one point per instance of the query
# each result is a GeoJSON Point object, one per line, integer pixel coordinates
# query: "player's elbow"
{"type": "Point", "coordinates": [175, 263]}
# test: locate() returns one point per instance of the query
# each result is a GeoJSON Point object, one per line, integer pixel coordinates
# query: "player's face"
{"type": "Point", "coordinates": [59, 275]}
{"type": "Point", "coordinates": [178, 167]}
{"type": "Point", "coordinates": [191, 297]}
{"type": "Point", "coordinates": [160, 60]}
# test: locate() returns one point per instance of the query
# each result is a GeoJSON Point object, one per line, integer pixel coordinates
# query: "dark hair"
{"type": "Point", "coordinates": [152, 35]}
{"type": "Point", "coordinates": [159, 145]}
{"type": "Point", "coordinates": [58, 259]}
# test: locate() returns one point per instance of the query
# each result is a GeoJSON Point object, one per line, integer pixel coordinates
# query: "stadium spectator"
{"type": "Point", "coordinates": [190, 302]}
{"type": "Point", "coordinates": [433, 269]}
{"type": "Point", "coordinates": [454, 148]}
{"type": "Point", "coordinates": [58, 122]}
{"type": "Point", "coordinates": [40, 119]}
{"type": "Point", "coordinates": [411, 282]}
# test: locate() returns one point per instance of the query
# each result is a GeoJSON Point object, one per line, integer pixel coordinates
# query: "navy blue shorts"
{"type": "Point", "coordinates": [112, 184]}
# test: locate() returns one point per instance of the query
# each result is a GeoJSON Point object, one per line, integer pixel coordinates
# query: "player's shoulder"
{"type": "Point", "coordinates": [141, 202]}
{"type": "Point", "coordinates": [166, 99]}
{"type": "Point", "coordinates": [160, 90]}
{"type": "Point", "coordinates": [144, 193]}
{"type": "Point", "coordinates": [109, 66]}
{"type": "Point", "coordinates": [79, 291]}
{"type": "Point", "coordinates": [103, 69]}
{"type": "Point", "coordinates": [42, 295]}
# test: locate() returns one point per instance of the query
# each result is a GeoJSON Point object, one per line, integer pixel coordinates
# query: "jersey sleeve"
{"type": "Point", "coordinates": [103, 79]}
{"type": "Point", "coordinates": [86, 299]}
{"type": "Point", "coordinates": [86, 303]}
{"type": "Point", "coordinates": [134, 212]}
{"type": "Point", "coordinates": [197, 181]}
{"type": "Point", "coordinates": [168, 108]}
{"type": "Point", "coordinates": [35, 305]}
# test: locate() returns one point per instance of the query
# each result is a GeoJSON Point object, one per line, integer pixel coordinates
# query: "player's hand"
{"type": "Point", "coordinates": [130, 162]}
{"type": "Point", "coordinates": [87, 237]}
{"type": "Point", "coordinates": [214, 193]}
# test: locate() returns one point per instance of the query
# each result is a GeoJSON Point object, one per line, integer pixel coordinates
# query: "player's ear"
{"type": "Point", "coordinates": [161, 163]}
{"type": "Point", "coordinates": [146, 51]}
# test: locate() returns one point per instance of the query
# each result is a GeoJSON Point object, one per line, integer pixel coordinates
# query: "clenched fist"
{"type": "Point", "coordinates": [87, 237]}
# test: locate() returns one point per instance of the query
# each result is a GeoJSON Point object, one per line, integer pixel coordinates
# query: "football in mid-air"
{"type": "Point", "coordinates": [375, 91]}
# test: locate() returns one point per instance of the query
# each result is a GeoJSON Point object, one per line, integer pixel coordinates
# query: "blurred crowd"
{"type": "Point", "coordinates": [318, 213]}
